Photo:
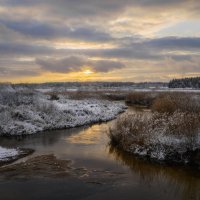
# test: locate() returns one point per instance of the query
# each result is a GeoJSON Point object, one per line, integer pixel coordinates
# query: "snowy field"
{"type": "Point", "coordinates": [27, 112]}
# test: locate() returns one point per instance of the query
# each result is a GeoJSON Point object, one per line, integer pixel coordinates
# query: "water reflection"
{"type": "Point", "coordinates": [47, 138]}
{"type": "Point", "coordinates": [176, 179]}
{"type": "Point", "coordinates": [88, 136]}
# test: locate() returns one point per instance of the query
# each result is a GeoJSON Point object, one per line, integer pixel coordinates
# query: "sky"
{"type": "Point", "coordinates": [99, 40]}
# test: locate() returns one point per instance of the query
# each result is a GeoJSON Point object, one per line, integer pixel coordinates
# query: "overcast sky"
{"type": "Point", "coordinates": [99, 40]}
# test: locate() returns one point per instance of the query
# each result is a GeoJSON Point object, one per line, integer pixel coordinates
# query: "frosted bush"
{"type": "Point", "coordinates": [157, 135]}
{"type": "Point", "coordinates": [30, 113]}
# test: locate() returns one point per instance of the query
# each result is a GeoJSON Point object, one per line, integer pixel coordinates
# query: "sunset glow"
{"type": "Point", "coordinates": [42, 41]}
{"type": "Point", "coordinates": [88, 72]}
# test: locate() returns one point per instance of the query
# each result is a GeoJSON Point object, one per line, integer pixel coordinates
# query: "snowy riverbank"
{"type": "Point", "coordinates": [10, 155]}
{"type": "Point", "coordinates": [40, 113]}
{"type": "Point", "coordinates": [159, 137]}
{"type": "Point", "coordinates": [5, 154]}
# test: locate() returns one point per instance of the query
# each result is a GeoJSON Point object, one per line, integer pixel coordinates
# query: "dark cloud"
{"type": "Point", "coordinates": [134, 52]}
{"type": "Point", "coordinates": [174, 43]}
{"type": "Point", "coordinates": [76, 63]}
{"type": "Point", "coordinates": [14, 49]}
{"type": "Point", "coordinates": [15, 72]}
{"type": "Point", "coordinates": [106, 65]}
{"type": "Point", "coordinates": [94, 6]}
{"type": "Point", "coordinates": [154, 49]}
{"type": "Point", "coordinates": [44, 30]}
{"type": "Point", "coordinates": [13, 67]}
{"type": "Point", "coordinates": [69, 64]}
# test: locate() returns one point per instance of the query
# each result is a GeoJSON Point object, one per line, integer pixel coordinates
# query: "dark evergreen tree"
{"type": "Point", "coordinates": [185, 83]}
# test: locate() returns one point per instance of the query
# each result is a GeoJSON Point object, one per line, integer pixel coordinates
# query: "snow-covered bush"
{"type": "Point", "coordinates": [158, 136]}
{"type": "Point", "coordinates": [27, 112]}
{"type": "Point", "coordinates": [16, 98]}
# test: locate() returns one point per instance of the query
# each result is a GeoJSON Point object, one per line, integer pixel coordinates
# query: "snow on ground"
{"type": "Point", "coordinates": [44, 90]}
{"type": "Point", "coordinates": [7, 154]}
{"type": "Point", "coordinates": [43, 114]}
{"type": "Point", "coordinates": [190, 90]}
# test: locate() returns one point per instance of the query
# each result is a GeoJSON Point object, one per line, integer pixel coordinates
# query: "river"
{"type": "Point", "coordinates": [113, 174]}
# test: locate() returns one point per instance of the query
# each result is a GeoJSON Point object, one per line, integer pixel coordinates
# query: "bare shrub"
{"type": "Point", "coordinates": [45, 107]}
{"type": "Point", "coordinates": [182, 124]}
{"type": "Point", "coordinates": [115, 96]}
{"type": "Point", "coordinates": [128, 129]}
{"type": "Point", "coordinates": [164, 104]}
{"type": "Point", "coordinates": [171, 102]}
{"type": "Point", "coordinates": [81, 94]}
{"type": "Point", "coordinates": [141, 98]}
{"type": "Point", "coordinates": [157, 131]}
{"type": "Point", "coordinates": [16, 98]}
{"type": "Point", "coordinates": [54, 97]}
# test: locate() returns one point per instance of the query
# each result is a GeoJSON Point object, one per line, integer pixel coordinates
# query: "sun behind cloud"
{"type": "Point", "coordinates": [88, 72]}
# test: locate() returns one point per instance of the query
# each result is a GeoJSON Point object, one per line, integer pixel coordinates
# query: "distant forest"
{"type": "Point", "coordinates": [185, 83]}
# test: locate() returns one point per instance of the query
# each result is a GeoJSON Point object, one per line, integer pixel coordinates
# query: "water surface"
{"type": "Point", "coordinates": [88, 147]}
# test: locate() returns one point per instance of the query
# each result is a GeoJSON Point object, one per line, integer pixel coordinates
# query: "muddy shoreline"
{"type": "Point", "coordinates": [49, 166]}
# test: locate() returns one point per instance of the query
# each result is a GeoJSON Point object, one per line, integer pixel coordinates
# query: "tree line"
{"type": "Point", "coordinates": [185, 83]}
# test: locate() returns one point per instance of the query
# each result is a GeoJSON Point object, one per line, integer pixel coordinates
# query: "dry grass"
{"type": "Point", "coordinates": [141, 98]}
{"type": "Point", "coordinates": [148, 129]}
{"type": "Point", "coordinates": [172, 102]}
{"type": "Point", "coordinates": [80, 95]}
{"type": "Point", "coordinates": [181, 124]}
{"type": "Point", "coordinates": [169, 132]}
{"type": "Point", "coordinates": [166, 102]}
{"type": "Point", "coordinates": [128, 129]}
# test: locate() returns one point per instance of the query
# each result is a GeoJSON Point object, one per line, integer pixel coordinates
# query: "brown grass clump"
{"type": "Point", "coordinates": [172, 102]}
{"type": "Point", "coordinates": [80, 95]}
{"type": "Point", "coordinates": [148, 129]}
{"type": "Point", "coordinates": [181, 124]}
{"type": "Point", "coordinates": [129, 129]}
{"type": "Point", "coordinates": [164, 104]}
{"type": "Point", "coordinates": [141, 98]}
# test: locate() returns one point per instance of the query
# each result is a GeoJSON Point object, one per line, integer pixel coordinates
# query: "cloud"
{"type": "Point", "coordinates": [107, 35]}
{"type": "Point", "coordinates": [45, 30]}
{"type": "Point", "coordinates": [77, 63]}
{"type": "Point", "coordinates": [147, 49]}
{"type": "Point", "coordinates": [140, 15]}
{"type": "Point", "coordinates": [103, 4]}
{"type": "Point", "coordinates": [12, 72]}
{"type": "Point", "coordinates": [10, 48]}
{"type": "Point", "coordinates": [176, 48]}
{"type": "Point", "coordinates": [144, 49]}
{"type": "Point", "coordinates": [175, 43]}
